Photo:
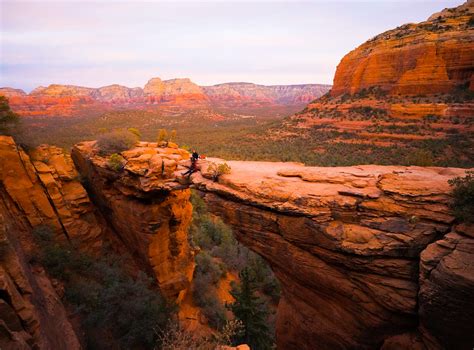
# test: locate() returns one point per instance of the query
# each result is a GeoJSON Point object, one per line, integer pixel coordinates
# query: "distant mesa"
{"type": "Point", "coordinates": [10, 92]}
{"type": "Point", "coordinates": [67, 100]}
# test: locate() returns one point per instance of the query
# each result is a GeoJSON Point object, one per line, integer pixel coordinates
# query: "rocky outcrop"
{"type": "Point", "coordinates": [71, 203]}
{"type": "Point", "coordinates": [435, 56]}
{"type": "Point", "coordinates": [359, 251]}
{"type": "Point", "coordinates": [149, 210]}
{"type": "Point", "coordinates": [446, 285]}
{"type": "Point", "coordinates": [57, 90]}
{"type": "Point", "coordinates": [47, 191]}
{"type": "Point", "coordinates": [117, 93]}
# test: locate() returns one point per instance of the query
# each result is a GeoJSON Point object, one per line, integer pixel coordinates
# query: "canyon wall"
{"type": "Point", "coordinates": [142, 218]}
{"type": "Point", "coordinates": [368, 256]}
{"type": "Point", "coordinates": [33, 194]}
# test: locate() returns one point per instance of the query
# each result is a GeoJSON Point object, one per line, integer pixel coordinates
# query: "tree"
{"type": "Point", "coordinates": [172, 136]}
{"type": "Point", "coordinates": [136, 132]}
{"type": "Point", "coordinates": [252, 312]}
{"type": "Point", "coordinates": [162, 135]}
{"type": "Point", "coordinates": [8, 118]}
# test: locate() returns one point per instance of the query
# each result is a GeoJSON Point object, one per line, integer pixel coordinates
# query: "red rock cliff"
{"type": "Point", "coordinates": [431, 57]}
{"type": "Point", "coordinates": [41, 191]}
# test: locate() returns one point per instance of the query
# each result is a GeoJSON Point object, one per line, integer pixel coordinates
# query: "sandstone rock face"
{"type": "Point", "coordinates": [346, 243]}
{"type": "Point", "coordinates": [117, 93]}
{"type": "Point", "coordinates": [71, 202]}
{"type": "Point", "coordinates": [32, 315]}
{"type": "Point", "coordinates": [19, 180]}
{"type": "Point", "coordinates": [431, 57]}
{"type": "Point", "coordinates": [446, 284]}
{"type": "Point", "coordinates": [149, 210]}
{"type": "Point", "coordinates": [47, 190]}
{"type": "Point", "coordinates": [32, 194]}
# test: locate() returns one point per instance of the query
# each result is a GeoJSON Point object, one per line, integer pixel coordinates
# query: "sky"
{"type": "Point", "coordinates": [98, 43]}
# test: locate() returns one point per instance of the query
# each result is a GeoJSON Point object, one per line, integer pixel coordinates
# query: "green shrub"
{"type": "Point", "coordinates": [217, 244]}
{"type": "Point", "coordinates": [116, 162]}
{"type": "Point", "coordinates": [217, 170]}
{"type": "Point", "coordinates": [205, 265]}
{"type": "Point", "coordinates": [116, 142]}
{"type": "Point", "coordinates": [420, 157]}
{"type": "Point", "coordinates": [463, 197]}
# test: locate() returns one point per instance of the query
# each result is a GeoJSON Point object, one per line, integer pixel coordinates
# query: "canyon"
{"type": "Point", "coordinates": [69, 100]}
{"type": "Point", "coordinates": [367, 256]}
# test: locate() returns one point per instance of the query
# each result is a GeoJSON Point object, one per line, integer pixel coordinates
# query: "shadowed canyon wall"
{"type": "Point", "coordinates": [44, 189]}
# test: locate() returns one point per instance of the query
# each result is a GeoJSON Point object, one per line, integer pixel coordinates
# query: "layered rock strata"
{"type": "Point", "coordinates": [430, 57]}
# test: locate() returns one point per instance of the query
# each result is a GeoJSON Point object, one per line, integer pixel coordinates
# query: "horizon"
{"type": "Point", "coordinates": [102, 43]}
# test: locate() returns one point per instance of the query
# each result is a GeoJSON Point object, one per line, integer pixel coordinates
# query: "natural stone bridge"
{"type": "Point", "coordinates": [368, 256]}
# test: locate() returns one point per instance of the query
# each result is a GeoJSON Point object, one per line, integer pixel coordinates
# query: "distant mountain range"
{"type": "Point", "coordinates": [65, 100]}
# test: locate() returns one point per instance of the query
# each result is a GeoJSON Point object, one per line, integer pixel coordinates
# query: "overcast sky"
{"type": "Point", "coordinates": [96, 43]}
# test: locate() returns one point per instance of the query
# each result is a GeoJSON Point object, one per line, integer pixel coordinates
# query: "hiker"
{"type": "Point", "coordinates": [194, 155]}
{"type": "Point", "coordinates": [193, 167]}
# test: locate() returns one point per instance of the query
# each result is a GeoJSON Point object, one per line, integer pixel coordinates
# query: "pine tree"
{"type": "Point", "coordinates": [253, 313]}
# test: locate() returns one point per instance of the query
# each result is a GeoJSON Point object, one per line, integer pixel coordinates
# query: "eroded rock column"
{"type": "Point", "coordinates": [148, 209]}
